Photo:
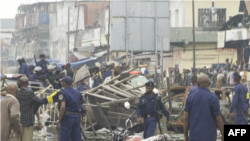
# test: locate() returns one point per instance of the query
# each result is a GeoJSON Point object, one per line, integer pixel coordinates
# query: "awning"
{"type": "Point", "coordinates": [76, 65]}
{"type": "Point", "coordinates": [101, 53]}
{"type": "Point", "coordinates": [232, 22]}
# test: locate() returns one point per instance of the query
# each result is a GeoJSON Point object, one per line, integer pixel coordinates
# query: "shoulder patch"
{"type": "Point", "coordinates": [60, 97]}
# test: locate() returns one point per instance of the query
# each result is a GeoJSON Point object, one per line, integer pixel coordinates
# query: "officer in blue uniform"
{"type": "Point", "coordinates": [202, 115]}
{"type": "Point", "coordinates": [150, 109]}
{"type": "Point", "coordinates": [31, 69]}
{"type": "Point", "coordinates": [106, 73]}
{"type": "Point", "coordinates": [38, 76]}
{"type": "Point", "coordinates": [51, 77]}
{"type": "Point", "coordinates": [69, 115]}
{"type": "Point", "coordinates": [82, 86]}
{"type": "Point", "coordinates": [43, 64]}
{"type": "Point", "coordinates": [54, 98]}
{"type": "Point", "coordinates": [24, 69]}
{"type": "Point", "coordinates": [240, 101]}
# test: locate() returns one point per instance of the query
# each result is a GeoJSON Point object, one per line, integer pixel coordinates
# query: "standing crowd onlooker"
{"type": "Point", "coordinates": [218, 77]}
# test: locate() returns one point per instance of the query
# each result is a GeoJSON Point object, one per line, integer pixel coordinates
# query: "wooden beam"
{"type": "Point", "coordinates": [100, 96]}
{"type": "Point", "coordinates": [115, 91]}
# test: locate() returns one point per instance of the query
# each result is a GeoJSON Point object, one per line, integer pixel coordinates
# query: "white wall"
{"type": "Point", "coordinates": [6, 37]}
{"type": "Point", "coordinates": [59, 27]}
{"type": "Point", "coordinates": [177, 14]}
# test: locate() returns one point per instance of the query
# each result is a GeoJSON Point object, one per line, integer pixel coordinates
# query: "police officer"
{"type": "Point", "coordinates": [31, 69]}
{"type": "Point", "coordinates": [240, 101]}
{"type": "Point", "coordinates": [150, 109]}
{"type": "Point", "coordinates": [69, 107]}
{"type": "Point", "coordinates": [202, 115]}
{"type": "Point", "coordinates": [38, 76]}
{"type": "Point", "coordinates": [24, 69]}
{"type": "Point", "coordinates": [82, 86]}
{"type": "Point", "coordinates": [54, 98]}
{"type": "Point", "coordinates": [51, 77]}
{"type": "Point", "coordinates": [43, 64]}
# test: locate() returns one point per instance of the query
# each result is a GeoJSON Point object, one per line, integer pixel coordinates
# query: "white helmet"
{"type": "Point", "coordinates": [51, 67]}
{"type": "Point", "coordinates": [38, 68]}
{"type": "Point", "coordinates": [19, 58]}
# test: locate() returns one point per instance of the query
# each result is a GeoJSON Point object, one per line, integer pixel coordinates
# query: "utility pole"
{"type": "Point", "coordinates": [162, 75]}
{"type": "Point", "coordinates": [68, 35]}
{"type": "Point", "coordinates": [193, 38]}
{"type": "Point", "coordinates": [77, 25]}
{"type": "Point", "coordinates": [108, 35]}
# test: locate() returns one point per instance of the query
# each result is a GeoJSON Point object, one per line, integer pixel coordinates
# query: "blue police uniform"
{"type": "Point", "coordinates": [52, 79]}
{"type": "Point", "coordinates": [202, 106]}
{"type": "Point", "coordinates": [106, 74]}
{"type": "Point", "coordinates": [31, 73]}
{"type": "Point", "coordinates": [70, 124]}
{"type": "Point", "coordinates": [36, 77]}
{"type": "Point", "coordinates": [43, 65]}
{"type": "Point", "coordinates": [24, 69]}
{"type": "Point", "coordinates": [240, 102]}
{"type": "Point", "coordinates": [150, 120]}
{"type": "Point", "coordinates": [193, 89]}
{"type": "Point", "coordinates": [81, 87]}
{"type": "Point", "coordinates": [54, 98]}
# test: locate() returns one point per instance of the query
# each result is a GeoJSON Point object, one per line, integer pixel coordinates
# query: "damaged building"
{"type": "Point", "coordinates": [32, 29]}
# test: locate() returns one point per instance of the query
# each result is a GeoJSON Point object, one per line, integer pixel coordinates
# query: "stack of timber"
{"type": "Point", "coordinates": [105, 103]}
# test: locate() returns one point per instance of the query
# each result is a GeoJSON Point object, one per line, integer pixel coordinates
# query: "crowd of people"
{"type": "Point", "coordinates": [43, 70]}
{"type": "Point", "coordinates": [21, 105]}
{"type": "Point", "coordinates": [218, 77]}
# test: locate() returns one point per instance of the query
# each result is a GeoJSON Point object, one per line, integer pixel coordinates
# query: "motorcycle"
{"type": "Point", "coordinates": [131, 133]}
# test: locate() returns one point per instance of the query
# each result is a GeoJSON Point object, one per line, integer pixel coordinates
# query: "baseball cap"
{"type": "Point", "coordinates": [67, 79]}
{"type": "Point", "coordinates": [149, 84]}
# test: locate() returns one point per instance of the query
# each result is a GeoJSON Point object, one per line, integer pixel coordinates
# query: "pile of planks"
{"type": "Point", "coordinates": [106, 102]}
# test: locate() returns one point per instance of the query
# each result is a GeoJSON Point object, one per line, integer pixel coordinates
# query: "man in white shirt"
{"type": "Point", "coordinates": [230, 77]}
{"type": "Point", "coordinates": [214, 15]}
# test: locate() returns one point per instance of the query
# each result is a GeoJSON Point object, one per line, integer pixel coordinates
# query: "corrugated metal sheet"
{"type": "Point", "coordinates": [135, 24]}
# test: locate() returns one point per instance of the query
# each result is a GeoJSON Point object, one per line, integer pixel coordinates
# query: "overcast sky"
{"type": "Point", "coordinates": [8, 8]}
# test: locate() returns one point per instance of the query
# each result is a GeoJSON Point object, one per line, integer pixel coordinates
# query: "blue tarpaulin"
{"type": "Point", "coordinates": [44, 19]}
{"type": "Point", "coordinates": [77, 65]}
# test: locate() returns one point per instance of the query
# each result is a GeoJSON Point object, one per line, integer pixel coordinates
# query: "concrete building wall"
{"type": "Point", "coordinates": [59, 27]}
{"type": "Point", "coordinates": [93, 9]}
{"type": "Point", "coordinates": [206, 54]}
{"type": "Point", "coordinates": [183, 11]}
{"type": "Point", "coordinates": [6, 36]}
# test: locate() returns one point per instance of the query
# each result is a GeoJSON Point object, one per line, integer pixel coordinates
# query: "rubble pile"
{"type": "Point", "coordinates": [105, 102]}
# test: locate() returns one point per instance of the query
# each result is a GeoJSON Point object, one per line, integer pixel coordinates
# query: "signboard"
{"type": "Point", "coordinates": [226, 50]}
{"type": "Point", "coordinates": [139, 25]}
{"type": "Point", "coordinates": [237, 34]}
{"type": "Point", "coordinates": [221, 39]}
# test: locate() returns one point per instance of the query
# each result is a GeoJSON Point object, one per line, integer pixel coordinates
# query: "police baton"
{"type": "Point", "coordinates": [82, 131]}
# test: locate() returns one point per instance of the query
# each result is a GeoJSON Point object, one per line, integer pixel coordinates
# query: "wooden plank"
{"type": "Point", "coordinates": [118, 101]}
{"type": "Point", "coordinates": [100, 96]}
{"type": "Point", "coordinates": [105, 93]}
{"type": "Point", "coordinates": [124, 92]}
{"type": "Point", "coordinates": [115, 91]}
{"type": "Point", "coordinates": [103, 115]}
